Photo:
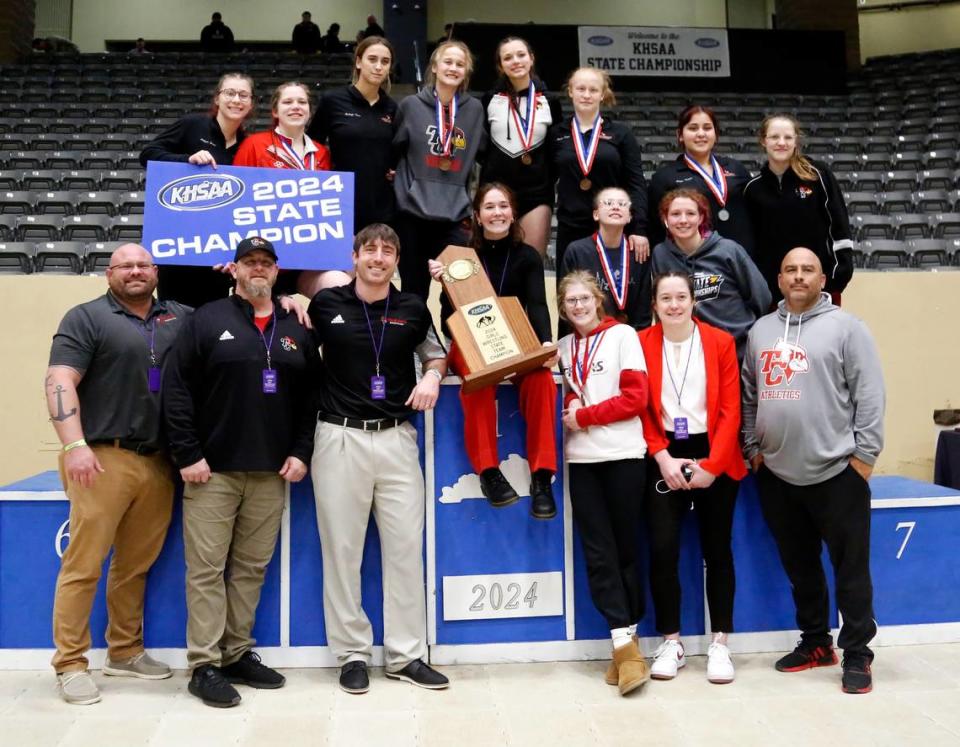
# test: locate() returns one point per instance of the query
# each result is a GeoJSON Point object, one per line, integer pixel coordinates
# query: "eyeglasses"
{"type": "Point", "coordinates": [615, 203]}
{"type": "Point", "coordinates": [131, 266]}
{"type": "Point", "coordinates": [233, 93]}
{"type": "Point", "coordinates": [577, 301]}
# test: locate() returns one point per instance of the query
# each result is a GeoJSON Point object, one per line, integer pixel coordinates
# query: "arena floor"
{"type": "Point", "coordinates": [915, 697]}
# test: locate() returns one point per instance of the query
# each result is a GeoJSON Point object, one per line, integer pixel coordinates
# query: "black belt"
{"type": "Point", "coordinates": [136, 447]}
{"type": "Point", "coordinates": [377, 425]}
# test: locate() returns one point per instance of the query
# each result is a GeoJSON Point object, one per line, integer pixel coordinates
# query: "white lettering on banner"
{"type": "Point", "coordinates": [909, 526]}
{"type": "Point", "coordinates": [652, 51]}
{"type": "Point", "coordinates": [301, 233]}
{"type": "Point", "coordinates": [503, 595]}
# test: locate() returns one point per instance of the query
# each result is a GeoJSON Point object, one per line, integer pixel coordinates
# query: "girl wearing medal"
{"type": "Point", "coordinates": [691, 424]}
{"type": "Point", "coordinates": [719, 178]}
{"type": "Point", "coordinates": [515, 269]}
{"type": "Point", "coordinates": [730, 291]}
{"type": "Point", "coordinates": [590, 152]}
{"type": "Point", "coordinates": [519, 114]}
{"type": "Point", "coordinates": [796, 201]}
{"type": "Point", "coordinates": [624, 281]}
{"type": "Point", "coordinates": [287, 146]}
{"type": "Point", "coordinates": [439, 133]}
{"type": "Point", "coordinates": [604, 392]}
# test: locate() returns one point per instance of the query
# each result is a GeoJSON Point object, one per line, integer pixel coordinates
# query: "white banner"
{"type": "Point", "coordinates": [656, 51]}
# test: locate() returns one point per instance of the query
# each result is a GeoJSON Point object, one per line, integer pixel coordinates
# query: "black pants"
{"type": "Point", "coordinates": [606, 498]}
{"type": "Point", "coordinates": [665, 512]}
{"type": "Point", "coordinates": [420, 240]}
{"type": "Point", "coordinates": [801, 517]}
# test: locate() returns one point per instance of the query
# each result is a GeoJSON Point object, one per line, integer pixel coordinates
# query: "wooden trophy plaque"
{"type": "Point", "coordinates": [493, 333]}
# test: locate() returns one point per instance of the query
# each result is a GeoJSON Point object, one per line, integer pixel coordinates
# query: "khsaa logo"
{"type": "Point", "coordinates": [201, 192]}
{"type": "Point", "coordinates": [481, 309]}
{"type": "Point", "coordinates": [707, 43]}
{"type": "Point", "coordinates": [600, 41]}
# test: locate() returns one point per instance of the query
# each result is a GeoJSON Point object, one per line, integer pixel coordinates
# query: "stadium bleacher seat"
{"type": "Point", "coordinates": [60, 256]}
{"type": "Point", "coordinates": [911, 226]}
{"type": "Point", "coordinates": [933, 201]}
{"type": "Point", "coordinates": [97, 255]}
{"type": "Point", "coordinates": [884, 253]}
{"type": "Point", "coordinates": [17, 257]}
{"type": "Point", "coordinates": [38, 227]}
{"type": "Point", "coordinates": [20, 202]}
{"type": "Point", "coordinates": [42, 179]}
{"type": "Point", "coordinates": [928, 252]}
{"type": "Point", "coordinates": [127, 228]}
{"type": "Point", "coordinates": [86, 227]}
{"type": "Point", "coordinates": [945, 225]}
{"type": "Point", "coordinates": [8, 227]}
{"type": "Point", "coordinates": [102, 202]}
{"type": "Point", "coordinates": [873, 227]}
{"type": "Point", "coordinates": [63, 202]}
{"type": "Point", "coordinates": [80, 179]}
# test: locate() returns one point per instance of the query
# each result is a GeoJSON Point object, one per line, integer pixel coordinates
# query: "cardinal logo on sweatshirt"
{"type": "Point", "coordinates": [778, 366]}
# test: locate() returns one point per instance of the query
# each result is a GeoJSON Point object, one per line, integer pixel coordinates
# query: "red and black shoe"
{"type": "Point", "coordinates": [807, 657]}
{"type": "Point", "coordinates": [857, 677]}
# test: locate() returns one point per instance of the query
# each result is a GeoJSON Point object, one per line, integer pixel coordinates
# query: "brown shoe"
{"type": "Point", "coordinates": [612, 676]}
{"type": "Point", "coordinates": [631, 666]}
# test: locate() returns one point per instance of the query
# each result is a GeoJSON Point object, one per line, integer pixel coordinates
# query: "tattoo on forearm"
{"type": "Point", "coordinates": [61, 415]}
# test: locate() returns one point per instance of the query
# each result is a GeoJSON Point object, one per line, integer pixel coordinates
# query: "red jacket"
{"type": "Point", "coordinates": [264, 149]}
{"type": "Point", "coordinates": [723, 398]}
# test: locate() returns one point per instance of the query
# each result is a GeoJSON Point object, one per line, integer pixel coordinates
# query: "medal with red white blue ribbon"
{"type": "Point", "coordinates": [445, 127]}
{"type": "Point", "coordinates": [619, 291]}
{"type": "Point", "coordinates": [586, 153]}
{"type": "Point", "coordinates": [286, 144]}
{"type": "Point", "coordinates": [525, 124]}
{"type": "Point", "coordinates": [716, 182]}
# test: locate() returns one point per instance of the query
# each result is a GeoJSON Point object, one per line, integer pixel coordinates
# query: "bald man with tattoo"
{"type": "Point", "coordinates": [103, 395]}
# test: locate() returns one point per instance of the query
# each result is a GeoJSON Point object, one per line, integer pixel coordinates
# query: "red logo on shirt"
{"type": "Point", "coordinates": [779, 364]}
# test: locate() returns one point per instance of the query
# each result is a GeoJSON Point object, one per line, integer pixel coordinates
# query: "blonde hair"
{"type": "Point", "coordinates": [798, 162]}
{"type": "Point", "coordinates": [607, 98]}
{"type": "Point", "coordinates": [438, 53]}
{"type": "Point", "coordinates": [588, 281]}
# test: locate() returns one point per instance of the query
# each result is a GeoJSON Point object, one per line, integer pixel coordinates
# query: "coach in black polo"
{"type": "Point", "coordinates": [103, 395]}
{"type": "Point", "coordinates": [366, 458]}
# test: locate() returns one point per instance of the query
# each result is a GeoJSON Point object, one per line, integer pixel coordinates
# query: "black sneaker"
{"type": "Point", "coordinates": [208, 684]}
{"type": "Point", "coordinates": [496, 489]}
{"type": "Point", "coordinates": [857, 677]}
{"type": "Point", "coordinates": [420, 674]}
{"type": "Point", "coordinates": [353, 677]}
{"type": "Point", "coordinates": [542, 505]}
{"type": "Point", "coordinates": [249, 670]}
{"type": "Point", "coordinates": [805, 656]}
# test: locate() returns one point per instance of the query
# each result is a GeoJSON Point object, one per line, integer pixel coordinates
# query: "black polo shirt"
{"type": "Point", "coordinates": [360, 136]}
{"type": "Point", "coordinates": [349, 359]}
{"type": "Point", "coordinates": [110, 346]}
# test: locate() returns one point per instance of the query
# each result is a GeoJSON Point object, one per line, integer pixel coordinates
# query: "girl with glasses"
{"type": "Point", "coordinates": [604, 392]}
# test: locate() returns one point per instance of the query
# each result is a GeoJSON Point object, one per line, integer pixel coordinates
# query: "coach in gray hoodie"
{"type": "Point", "coordinates": [813, 401]}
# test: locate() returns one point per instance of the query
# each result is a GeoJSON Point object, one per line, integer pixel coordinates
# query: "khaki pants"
{"type": "Point", "coordinates": [127, 508]}
{"type": "Point", "coordinates": [353, 472]}
{"type": "Point", "coordinates": [230, 527]}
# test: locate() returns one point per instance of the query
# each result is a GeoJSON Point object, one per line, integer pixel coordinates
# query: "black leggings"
{"type": "Point", "coordinates": [665, 513]}
{"type": "Point", "coordinates": [422, 239]}
{"type": "Point", "coordinates": [606, 499]}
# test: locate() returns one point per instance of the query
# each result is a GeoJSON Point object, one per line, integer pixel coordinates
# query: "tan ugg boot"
{"type": "Point", "coordinates": [612, 676]}
{"type": "Point", "coordinates": [631, 667]}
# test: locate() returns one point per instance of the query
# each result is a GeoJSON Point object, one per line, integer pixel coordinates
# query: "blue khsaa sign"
{"type": "Point", "coordinates": [196, 215]}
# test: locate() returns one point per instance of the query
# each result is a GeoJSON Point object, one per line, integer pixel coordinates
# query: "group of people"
{"type": "Point", "coordinates": [656, 418]}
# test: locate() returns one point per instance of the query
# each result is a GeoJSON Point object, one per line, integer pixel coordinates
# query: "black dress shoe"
{"type": "Point", "coordinates": [542, 505]}
{"type": "Point", "coordinates": [353, 677]}
{"type": "Point", "coordinates": [208, 684]}
{"type": "Point", "coordinates": [249, 670]}
{"type": "Point", "coordinates": [496, 489]}
{"type": "Point", "coordinates": [420, 674]}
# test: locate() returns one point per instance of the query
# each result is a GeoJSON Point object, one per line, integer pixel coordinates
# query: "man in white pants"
{"type": "Point", "coordinates": [366, 458]}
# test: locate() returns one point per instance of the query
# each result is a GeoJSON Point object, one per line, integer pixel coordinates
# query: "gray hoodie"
{"type": "Point", "coordinates": [422, 187]}
{"type": "Point", "coordinates": [729, 289]}
{"type": "Point", "coordinates": [813, 394]}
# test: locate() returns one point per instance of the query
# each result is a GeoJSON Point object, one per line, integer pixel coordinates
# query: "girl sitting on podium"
{"type": "Point", "coordinates": [514, 269]}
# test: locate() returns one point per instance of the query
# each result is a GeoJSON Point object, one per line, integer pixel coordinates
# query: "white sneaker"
{"type": "Point", "coordinates": [667, 660]}
{"type": "Point", "coordinates": [719, 664]}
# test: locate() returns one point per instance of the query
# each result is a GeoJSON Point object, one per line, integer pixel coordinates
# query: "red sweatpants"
{"type": "Point", "coordinates": [538, 405]}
